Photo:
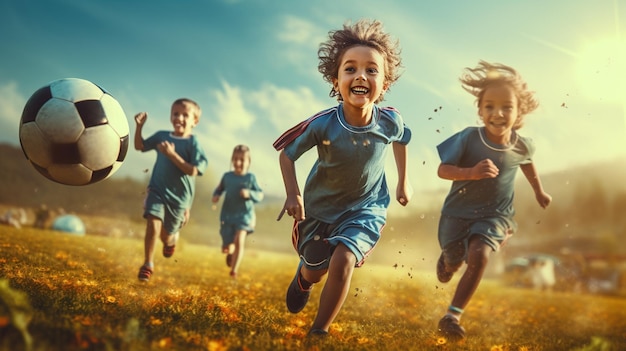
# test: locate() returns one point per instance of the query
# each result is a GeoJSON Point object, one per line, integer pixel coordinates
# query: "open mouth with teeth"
{"type": "Point", "coordinates": [359, 90]}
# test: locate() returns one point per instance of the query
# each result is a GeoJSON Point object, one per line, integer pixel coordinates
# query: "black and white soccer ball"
{"type": "Point", "coordinates": [74, 132]}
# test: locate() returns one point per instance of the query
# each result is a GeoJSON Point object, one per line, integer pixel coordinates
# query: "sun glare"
{"type": "Point", "coordinates": [602, 70]}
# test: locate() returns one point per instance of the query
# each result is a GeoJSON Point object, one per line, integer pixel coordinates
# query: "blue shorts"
{"type": "Point", "coordinates": [228, 231]}
{"type": "Point", "coordinates": [359, 231]}
{"type": "Point", "coordinates": [173, 218]}
{"type": "Point", "coordinates": [455, 233]}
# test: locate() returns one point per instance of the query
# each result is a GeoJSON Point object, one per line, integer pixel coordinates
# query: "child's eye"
{"type": "Point", "coordinates": [372, 70]}
{"type": "Point", "coordinates": [349, 69]}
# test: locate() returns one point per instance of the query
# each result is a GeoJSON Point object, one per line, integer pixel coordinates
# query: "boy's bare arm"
{"type": "Point", "coordinates": [140, 119]}
{"type": "Point", "coordinates": [294, 205]}
{"type": "Point", "coordinates": [404, 192]}
{"type": "Point", "coordinates": [483, 169]}
{"type": "Point", "coordinates": [168, 150]}
{"type": "Point", "coordinates": [530, 172]}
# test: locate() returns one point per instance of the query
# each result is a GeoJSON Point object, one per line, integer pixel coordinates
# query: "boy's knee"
{"type": "Point", "coordinates": [478, 253]}
{"type": "Point", "coordinates": [343, 261]}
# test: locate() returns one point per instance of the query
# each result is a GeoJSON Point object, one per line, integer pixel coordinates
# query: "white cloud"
{"type": "Point", "coordinates": [301, 32]}
{"type": "Point", "coordinates": [285, 107]}
{"type": "Point", "coordinates": [11, 106]}
{"type": "Point", "coordinates": [229, 110]}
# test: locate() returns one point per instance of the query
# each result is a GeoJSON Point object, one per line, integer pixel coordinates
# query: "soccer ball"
{"type": "Point", "coordinates": [74, 132]}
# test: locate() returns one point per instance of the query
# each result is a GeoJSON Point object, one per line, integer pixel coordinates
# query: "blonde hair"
{"type": "Point", "coordinates": [193, 104]}
{"type": "Point", "coordinates": [243, 149]}
{"type": "Point", "coordinates": [477, 80]}
{"type": "Point", "coordinates": [362, 33]}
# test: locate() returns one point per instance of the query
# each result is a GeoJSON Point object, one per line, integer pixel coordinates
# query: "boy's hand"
{"type": "Point", "coordinates": [245, 193]}
{"type": "Point", "coordinates": [187, 214]}
{"type": "Point", "coordinates": [141, 118]}
{"type": "Point", "coordinates": [294, 207]}
{"type": "Point", "coordinates": [404, 193]}
{"type": "Point", "coordinates": [544, 199]}
{"type": "Point", "coordinates": [166, 148]}
{"type": "Point", "coordinates": [484, 169]}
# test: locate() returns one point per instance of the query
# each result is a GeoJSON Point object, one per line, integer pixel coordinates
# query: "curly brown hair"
{"type": "Point", "coordinates": [362, 33]}
{"type": "Point", "coordinates": [477, 80]}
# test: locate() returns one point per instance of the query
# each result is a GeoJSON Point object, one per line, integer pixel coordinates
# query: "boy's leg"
{"type": "Point", "coordinates": [477, 258]}
{"type": "Point", "coordinates": [240, 240]}
{"type": "Point", "coordinates": [153, 226]}
{"type": "Point", "coordinates": [300, 287]}
{"type": "Point", "coordinates": [336, 288]}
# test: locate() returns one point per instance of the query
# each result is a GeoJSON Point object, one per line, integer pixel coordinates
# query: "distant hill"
{"type": "Point", "coordinates": [588, 202]}
{"type": "Point", "coordinates": [22, 185]}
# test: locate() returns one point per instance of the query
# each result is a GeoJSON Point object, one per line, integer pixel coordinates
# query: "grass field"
{"type": "Point", "coordinates": [83, 294]}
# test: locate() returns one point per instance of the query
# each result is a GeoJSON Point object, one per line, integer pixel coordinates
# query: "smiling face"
{"type": "Point", "coordinates": [361, 77]}
{"type": "Point", "coordinates": [183, 117]}
{"type": "Point", "coordinates": [241, 162]}
{"type": "Point", "coordinates": [498, 109]}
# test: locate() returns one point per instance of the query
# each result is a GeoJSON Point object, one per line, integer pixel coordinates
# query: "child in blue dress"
{"type": "Point", "coordinates": [180, 158]}
{"type": "Point", "coordinates": [340, 215]}
{"type": "Point", "coordinates": [237, 218]}
{"type": "Point", "coordinates": [477, 215]}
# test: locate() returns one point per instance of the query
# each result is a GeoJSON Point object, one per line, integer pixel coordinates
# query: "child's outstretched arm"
{"type": "Point", "coordinates": [404, 191]}
{"type": "Point", "coordinates": [218, 191]}
{"type": "Point", "coordinates": [254, 193]}
{"type": "Point", "coordinates": [530, 172]}
{"type": "Point", "coordinates": [294, 205]}
{"type": "Point", "coordinates": [483, 169]}
{"type": "Point", "coordinates": [168, 150]}
{"type": "Point", "coordinates": [140, 119]}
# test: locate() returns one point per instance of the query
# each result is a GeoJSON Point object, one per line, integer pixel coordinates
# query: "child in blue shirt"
{"type": "Point", "coordinates": [237, 218]}
{"type": "Point", "coordinates": [477, 215]}
{"type": "Point", "coordinates": [171, 189]}
{"type": "Point", "coordinates": [340, 215]}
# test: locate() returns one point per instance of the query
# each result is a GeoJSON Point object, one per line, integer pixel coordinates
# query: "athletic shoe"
{"type": "Point", "coordinates": [442, 274]}
{"type": "Point", "coordinates": [450, 328]}
{"type": "Point", "coordinates": [144, 273]}
{"type": "Point", "coordinates": [168, 251]}
{"type": "Point", "coordinates": [297, 297]}
{"type": "Point", "coordinates": [318, 332]}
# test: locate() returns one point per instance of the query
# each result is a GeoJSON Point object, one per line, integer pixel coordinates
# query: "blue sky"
{"type": "Point", "coordinates": [252, 66]}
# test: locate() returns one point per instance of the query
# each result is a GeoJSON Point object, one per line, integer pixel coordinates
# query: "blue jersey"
{"type": "Point", "coordinates": [471, 199]}
{"type": "Point", "coordinates": [236, 209]}
{"type": "Point", "coordinates": [350, 170]}
{"type": "Point", "coordinates": [172, 184]}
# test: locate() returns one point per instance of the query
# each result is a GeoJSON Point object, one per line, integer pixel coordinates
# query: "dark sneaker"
{"type": "Point", "coordinates": [450, 328]}
{"type": "Point", "coordinates": [297, 297]}
{"type": "Point", "coordinates": [144, 273]}
{"type": "Point", "coordinates": [318, 332]}
{"type": "Point", "coordinates": [442, 274]}
{"type": "Point", "coordinates": [168, 251]}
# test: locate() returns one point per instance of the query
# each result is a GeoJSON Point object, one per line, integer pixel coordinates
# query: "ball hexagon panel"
{"type": "Point", "coordinates": [74, 174]}
{"type": "Point", "coordinates": [35, 145]}
{"type": "Point", "coordinates": [75, 89]}
{"type": "Point", "coordinates": [99, 147]}
{"type": "Point", "coordinates": [115, 115]}
{"type": "Point", "coordinates": [59, 121]}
